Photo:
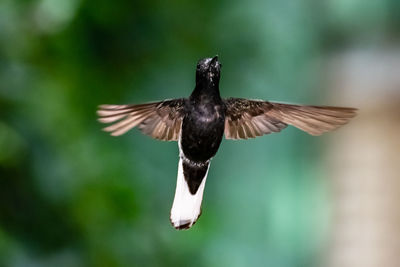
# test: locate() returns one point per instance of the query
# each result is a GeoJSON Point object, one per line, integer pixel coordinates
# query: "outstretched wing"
{"type": "Point", "coordinates": [160, 120]}
{"type": "Point", "coordinates": [251, 118]}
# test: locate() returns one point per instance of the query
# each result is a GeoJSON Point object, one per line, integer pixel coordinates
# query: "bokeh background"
{"type": "Point", "coordinates": [71, 195]}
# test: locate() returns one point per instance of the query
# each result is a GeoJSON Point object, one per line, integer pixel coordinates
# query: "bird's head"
{"type": "Point", "coordinates": [208, 71]}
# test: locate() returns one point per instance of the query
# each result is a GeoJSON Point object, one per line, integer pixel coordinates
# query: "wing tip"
{"type": "Point", "coordinates": [112, 132]}
{"type": "Point", "coordinates": [112, 106]}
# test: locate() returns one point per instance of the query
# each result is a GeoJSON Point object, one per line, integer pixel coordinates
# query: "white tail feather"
{"type": "Point", "coordinates": [186, 208]}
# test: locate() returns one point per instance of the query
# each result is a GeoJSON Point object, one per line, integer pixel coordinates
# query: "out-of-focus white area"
{"type": "Point", "coordinates": [366, 179]}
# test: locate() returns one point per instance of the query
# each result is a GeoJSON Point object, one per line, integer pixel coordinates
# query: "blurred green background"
{"type": "Point", "coordinates": [71, 195]}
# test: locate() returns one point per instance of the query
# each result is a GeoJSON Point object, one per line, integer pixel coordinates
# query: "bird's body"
{"type": "Point", "coordinates": [202, 129]}
{"type": "Point", "coordinates": [201, 134]}
{"type": "Point", "coordinates": [200, 122]}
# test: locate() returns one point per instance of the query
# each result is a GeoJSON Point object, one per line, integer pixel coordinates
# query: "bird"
{"type": "Point", "coordinates": [199, 123]}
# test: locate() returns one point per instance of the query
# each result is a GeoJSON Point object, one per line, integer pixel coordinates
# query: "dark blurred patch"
{"type": "Point", "coordinates": [44, 226]}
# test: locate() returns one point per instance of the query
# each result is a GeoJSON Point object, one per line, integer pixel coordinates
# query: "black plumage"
{"type": "Point", "coordinates": [199, 122]}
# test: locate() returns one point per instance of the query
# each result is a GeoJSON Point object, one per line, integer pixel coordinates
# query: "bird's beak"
{"type": "Point", "coordinates": [214, 60]}
{"type": "Point", "coordinates": [214, 64]}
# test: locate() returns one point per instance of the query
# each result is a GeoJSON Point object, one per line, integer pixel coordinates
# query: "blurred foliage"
{"type": "Point", "coordinates": [70, 195]}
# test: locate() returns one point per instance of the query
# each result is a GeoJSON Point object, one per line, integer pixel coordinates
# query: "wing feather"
{"type": "Point", "coordinates": [160, 120]}
{"type": "Point", "coordinates": [251, 118]}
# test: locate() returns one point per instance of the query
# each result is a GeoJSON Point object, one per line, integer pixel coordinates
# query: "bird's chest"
{"type": "Point", "coordinates": [202, 131]}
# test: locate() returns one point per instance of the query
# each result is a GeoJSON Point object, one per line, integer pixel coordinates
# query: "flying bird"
{"type": "Point", "coordinates": [199, 122]}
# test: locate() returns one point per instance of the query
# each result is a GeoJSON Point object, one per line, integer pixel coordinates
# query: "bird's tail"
{"type": "Point", "coordinates": [186, 208]}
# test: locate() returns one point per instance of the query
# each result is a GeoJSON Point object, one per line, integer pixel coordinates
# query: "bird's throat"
{"type": "Point", "coordinates": [206, 93]}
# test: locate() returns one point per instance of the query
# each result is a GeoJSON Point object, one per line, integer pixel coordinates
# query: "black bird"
{"type": "Point", "coordinates": [199, 122]}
